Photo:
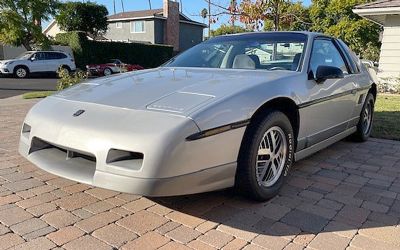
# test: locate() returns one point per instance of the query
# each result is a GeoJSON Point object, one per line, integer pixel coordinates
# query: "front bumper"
{"type": "Point", "coordinates": [77, 148]}
{"type": "Point", "coordinates": [4, 70]}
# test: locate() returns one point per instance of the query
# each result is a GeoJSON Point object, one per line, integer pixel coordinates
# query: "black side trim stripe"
{"type": "Point", "coordinates": [327, 98]}
{"type": "Point", "coordinates": [218, 130]}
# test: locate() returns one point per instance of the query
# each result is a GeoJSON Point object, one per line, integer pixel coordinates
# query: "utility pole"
{"type": "Point", "coordinates": [209, 19]}
{"type": "Point", "coordinates": [115, 11]}
{"type": "Point", "coordinates": [150, 4]}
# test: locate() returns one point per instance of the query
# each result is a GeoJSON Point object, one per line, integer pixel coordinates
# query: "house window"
{"type": "Point", "coordinates": [137, 27]}
{"type": "Point", "coordinates": [118, 25]}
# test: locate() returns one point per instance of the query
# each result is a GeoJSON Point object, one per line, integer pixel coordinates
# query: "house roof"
{"type": "Point", "coordinates": [156, 13]}
{"type": "Point", "coordinates": [378, 11]}
{"type": "Point", "coordinates": [379, 4]}
{"type": "Point", "coordinates": [137, 14]}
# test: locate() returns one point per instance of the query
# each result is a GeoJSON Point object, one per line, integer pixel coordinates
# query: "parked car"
{"type": "Point", "coordinates": [37, 62]}
{"type": "Point", "coordinates": [115, 66]}
{"type": "Point", "coordinates": [213, 117]}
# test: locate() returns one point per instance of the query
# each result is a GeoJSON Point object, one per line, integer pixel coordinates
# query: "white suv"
{"type": "Point", "coordinates": [37, 61]}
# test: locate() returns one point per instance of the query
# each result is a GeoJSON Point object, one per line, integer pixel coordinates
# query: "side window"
{"type": "Point", "coordinates": [40, 56]}
{"type": "Point", "coordinates": [350, 57]}
{"type": "Point", "coordinates": [325, 53]}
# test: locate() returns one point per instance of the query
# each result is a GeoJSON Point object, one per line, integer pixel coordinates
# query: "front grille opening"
{"type": "Point", "coordinates": [39, 144]}
{"type": "Point", "coordinates": [115, 155]}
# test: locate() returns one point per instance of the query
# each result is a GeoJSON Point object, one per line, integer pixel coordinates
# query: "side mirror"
{"type": "Point", "coordinates": [32, 58]}
{"type": "Point", "coordinates": [328, 72]}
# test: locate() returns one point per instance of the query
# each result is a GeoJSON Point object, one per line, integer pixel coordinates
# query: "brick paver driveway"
{"type": "Point", "coordinates": [347, 196]}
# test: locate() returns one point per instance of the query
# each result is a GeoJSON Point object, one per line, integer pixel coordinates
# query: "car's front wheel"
{"type": "Point", "coordinates": [265, 157]}
{"type": "Point", "coordinates": [364, 126]}
{"type": "Point", "coordinates": [107, 72]}
{"type": "Point", "coordinates": [21, 72]}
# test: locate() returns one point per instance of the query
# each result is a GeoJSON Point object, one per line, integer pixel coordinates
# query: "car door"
{"type": "Point", "coordinates": [53, 61]}
{"type": "Point", "coordinates": [328, 105]}
{"type": "Point", "coordinates": [37, 62]}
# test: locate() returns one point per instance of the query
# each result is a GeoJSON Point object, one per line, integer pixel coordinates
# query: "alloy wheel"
{"type": "Point", "coordinates": [367, 118]}
{"type": "Point", "coordinates": [271, 157]}
{"type": "Point", "coordinates": [21, 72]}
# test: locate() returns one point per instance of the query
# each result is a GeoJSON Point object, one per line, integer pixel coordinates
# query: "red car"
{"type": "Point", "coordinates": [115, 66]}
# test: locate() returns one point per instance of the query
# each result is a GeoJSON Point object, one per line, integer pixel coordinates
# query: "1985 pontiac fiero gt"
{"type": "Point", "coordinates": [236, 110]}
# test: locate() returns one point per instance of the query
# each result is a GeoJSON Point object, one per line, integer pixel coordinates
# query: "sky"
{"type": "Point", "coordinates": [191, 8]}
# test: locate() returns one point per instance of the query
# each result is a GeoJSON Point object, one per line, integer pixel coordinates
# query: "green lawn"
{"type": "Point", "coordinates": [387, 117]}
{"type": "Point", "coordinates": [37, 94]}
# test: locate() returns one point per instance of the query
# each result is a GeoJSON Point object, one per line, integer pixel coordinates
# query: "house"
{"type": "Point", "coordinates": [387, 14]}
{"type": "Point", "coordinates": [159, 26]}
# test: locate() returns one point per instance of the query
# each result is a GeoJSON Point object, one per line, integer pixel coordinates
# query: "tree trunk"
{"type": "Point", "coordinates": [27, 45]}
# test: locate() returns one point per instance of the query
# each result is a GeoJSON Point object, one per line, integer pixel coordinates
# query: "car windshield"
{"type": "Point", "coordinates": [25, 55]}
{"type": "Point", "coordinates": [257, 51]}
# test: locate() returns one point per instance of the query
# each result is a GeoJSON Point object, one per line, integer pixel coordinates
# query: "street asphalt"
{"type": "Point", "coordinates": [10, 86]}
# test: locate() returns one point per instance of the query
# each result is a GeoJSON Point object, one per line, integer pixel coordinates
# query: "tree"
{"type": "Point", "coordinates": [20, 21]}
{"type": "Point", "coordinates": [273, 14]}
{"type": "Point", "coordinates": [228, 29]}
{"type": "Point", "coordinates": [336, 18]}
{"type": "Point", "coordinates": [88, 17]}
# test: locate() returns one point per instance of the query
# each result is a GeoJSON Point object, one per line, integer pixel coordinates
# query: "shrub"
{"type": "Point", "coordinates": [94, 52]}
{"type": "Point", "coordinates": [67, 80]}
{"type": "Point", "coordinates": [389, 85]}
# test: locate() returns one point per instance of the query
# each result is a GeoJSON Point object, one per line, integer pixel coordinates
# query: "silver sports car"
{"type": "Point", "coordinates": [236, 110]}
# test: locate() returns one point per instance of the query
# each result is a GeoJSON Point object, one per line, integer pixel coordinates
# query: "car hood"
{"type": "Point", "coordinates": [174, 90]}
{"type": "Point", "coordinates": [5, 61]}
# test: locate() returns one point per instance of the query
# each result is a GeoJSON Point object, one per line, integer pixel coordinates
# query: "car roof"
{"type": "Point", "coordinates": [47, 51]}
{"type": "Point", "coordinates": [308, 33]}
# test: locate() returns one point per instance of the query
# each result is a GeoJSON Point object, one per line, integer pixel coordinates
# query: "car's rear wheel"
{"type": "Point", "coordinates": [265, 157]}
{"type": "Point", "coordinates": [107, 72]}
{"type": "Point", "coordinates": [64, 70]}
{"type": "Point", "coordinates": [364, 126]}
{"type": "Point", "coordinates": [21, 72]}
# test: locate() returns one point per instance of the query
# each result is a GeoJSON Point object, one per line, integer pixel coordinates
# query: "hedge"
{"type": "Point", "coordinates": [95, 52]}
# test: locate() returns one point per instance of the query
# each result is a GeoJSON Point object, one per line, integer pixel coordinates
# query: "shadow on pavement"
{"type": "Point", "coordinates": [344, 188]}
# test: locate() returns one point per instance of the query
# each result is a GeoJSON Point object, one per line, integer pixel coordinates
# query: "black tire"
{"type": "Point", "coordinates": [364, 130]}
{"type": "Point", "coordinates": [108, 70]}
{"type": "Point", "coordinates": [247, 181]}
{"type": "Point", "coordinates": [21, 72]}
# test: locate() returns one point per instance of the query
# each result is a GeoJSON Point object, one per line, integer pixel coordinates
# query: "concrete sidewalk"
{"type": "Point", "coordinates": [347, 196]}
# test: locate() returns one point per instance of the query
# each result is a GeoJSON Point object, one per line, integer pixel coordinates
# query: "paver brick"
{"type": "Point", "coordinates": [75, 201]}
{"type": "Point", "coordinates": [10, 240]}
{"type": "Point", "coordinates": [183, 234]}
{"type": "Point", "coordinates": [305, 221]}
{"type": "Point", "coordinates": [41, 209]}
{"type": "Point", "coordinates": [185, 219]}
{"type": "Point", "coordinates": [60, 218]}
{"type": "Point", "coordinates": [142, 222]}
{"type": "Point", "coordinates": [199, 245]}
{"type": "Point", "coordinates": [65, 235]}
{"type": "Point", "coordinates": [236, 244]}
{"type": "Point", "coordinates": [28, 226]}
{"type": "Point", "coordinates": [97, 221]}
{"type": "Point", "coordinates": [151, 240]}
{"type": "Point", "coordinates": [270, 242]}
{"type": "Point", "coordinates": [329, 241]}
{"type": "Point", "coordinates": [87, 242]}
{"type": "Point", "coordinates": [39, 233]}
{"type": "Point", "coordinates": [37, 244]}
{"type": "Point", "coordinates": [114, 235]}
{"type": "Point", "coordinates": [216, 238]}
{"type": "Point", "coordinates": [13, 216]}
